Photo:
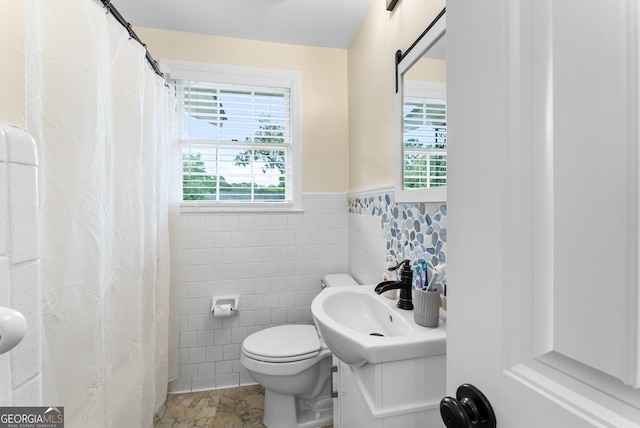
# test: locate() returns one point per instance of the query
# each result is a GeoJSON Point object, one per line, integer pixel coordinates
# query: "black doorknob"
{"type": "Point", "coordinates": [470, 409]}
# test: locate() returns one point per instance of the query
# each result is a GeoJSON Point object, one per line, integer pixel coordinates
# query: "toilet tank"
{"type": "Point", "coordinates": [337, 280]}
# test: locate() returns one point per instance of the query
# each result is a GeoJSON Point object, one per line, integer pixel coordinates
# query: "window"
{"type": "Point", "coordinates": [425, 142]}
{"type": "Point", "coordinates": [238, 136]}
{"type": "Point", "coordinates": [421, 122]}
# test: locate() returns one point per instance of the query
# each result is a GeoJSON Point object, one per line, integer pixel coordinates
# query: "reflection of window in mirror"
{"type": "Point", "coordinates": [421, 118]}
{"type": "Point", "coordinates": [425, 125]}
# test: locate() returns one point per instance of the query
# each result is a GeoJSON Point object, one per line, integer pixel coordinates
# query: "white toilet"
{"type": "Point", "coordinates": [293, 364]}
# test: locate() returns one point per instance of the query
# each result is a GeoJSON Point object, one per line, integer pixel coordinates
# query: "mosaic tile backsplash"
{"type": "Point", "coordinates": [417, 232]}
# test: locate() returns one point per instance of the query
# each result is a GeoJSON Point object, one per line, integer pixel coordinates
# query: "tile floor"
{"type": "Point", "coordinates": [240, 407]}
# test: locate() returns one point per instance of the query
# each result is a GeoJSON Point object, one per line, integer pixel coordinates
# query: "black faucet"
{"type": "Point", "coordinates": [405, 285]}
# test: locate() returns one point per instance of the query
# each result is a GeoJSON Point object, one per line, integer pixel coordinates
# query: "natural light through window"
{"type": "Point", "coordinates": [425, 143]}
{"type": "Point", "coordinates": [237, 141]}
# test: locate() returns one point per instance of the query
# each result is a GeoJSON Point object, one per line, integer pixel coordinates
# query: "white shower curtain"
{"type": "Point", "coordinates": [102, 120]}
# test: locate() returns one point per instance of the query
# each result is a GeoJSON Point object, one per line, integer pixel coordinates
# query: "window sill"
{"type": "Point", "coordinates": [208, 207]}
{"type": "Point", "coordinates": [433, 194]}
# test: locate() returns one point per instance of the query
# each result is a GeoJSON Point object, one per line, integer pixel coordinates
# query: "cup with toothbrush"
{"type": "Point", "coordinates": [426, 301]}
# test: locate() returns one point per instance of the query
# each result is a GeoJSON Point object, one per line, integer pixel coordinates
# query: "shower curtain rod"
{"type": "Point", "coordinates": [112, 9]}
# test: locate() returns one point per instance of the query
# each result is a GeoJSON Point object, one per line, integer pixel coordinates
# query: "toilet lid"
{"type": "Point", "coordinates": [283, 343]}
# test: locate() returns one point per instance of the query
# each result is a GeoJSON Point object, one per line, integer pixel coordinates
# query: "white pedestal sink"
{"type": "Point", "coordinates": [390, 371]}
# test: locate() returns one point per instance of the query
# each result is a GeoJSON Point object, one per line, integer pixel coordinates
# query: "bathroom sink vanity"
{"type": "Point", "coordinates": [395, 394]}
{"type": "Point", "coordinates": [387, 371]}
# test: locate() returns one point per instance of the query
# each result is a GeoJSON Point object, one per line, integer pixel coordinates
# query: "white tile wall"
{"type": "Point", "coordinates": [274, 261]}
{"type": "Point", "coordinates": [20, 369]}
{"type": "Point", "coordinates": [367, 248]}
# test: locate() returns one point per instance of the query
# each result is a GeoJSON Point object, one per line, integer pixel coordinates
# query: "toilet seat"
{"type": "Point", "coordinates": [283, 344]}
{"type": "Point", "coordinates": [290, 359]}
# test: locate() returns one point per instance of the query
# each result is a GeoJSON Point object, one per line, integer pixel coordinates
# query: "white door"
{"type": "Point", "coordinates": [544, 195]}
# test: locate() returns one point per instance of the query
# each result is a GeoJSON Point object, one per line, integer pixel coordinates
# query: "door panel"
{"type": "Point", "coordinates": [593, 197]}
{"type": "Point", "coordinates": [543, 256]}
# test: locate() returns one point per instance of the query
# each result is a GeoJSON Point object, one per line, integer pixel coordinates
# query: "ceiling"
{"type": "Point", "coordinates": [327, 23]}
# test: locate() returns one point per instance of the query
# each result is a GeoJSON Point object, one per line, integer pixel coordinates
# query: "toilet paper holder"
{"type": "Point", "coordinates": [225, 300]}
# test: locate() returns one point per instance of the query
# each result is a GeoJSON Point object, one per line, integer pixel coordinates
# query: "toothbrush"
{"type": "Point", "coordinates": [438, 273]}
{"type": "Point", "coordinates": [434, 281]}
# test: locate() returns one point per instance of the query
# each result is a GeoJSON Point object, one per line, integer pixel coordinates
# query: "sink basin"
{"type": "Point", "coordinates": [362, 327]}
{"type": "Point", "coordinates": [364, 313]}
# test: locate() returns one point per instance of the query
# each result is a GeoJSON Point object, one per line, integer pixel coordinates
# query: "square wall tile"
{"type": "Point", "coordinates": [29, 393]}
{"type": "Point", "coordinates": [203, 383]}
{"type": "Point", "coordinates": [21, 146]}
{"type": "Point", "coordinates": [180, 385]}
{"type": "Point", "coordinates": [4, 209]}
{"type": "Point", "coordinates": [5, 381]}
{"type": "Point", "coordinates": [246, 379]}
{"type": "Point", "coordinates": [5, 288]}
{"type": "Point", "coordinates": [227, 380]}
{"type": "Point", "coordinates": [23, 203]}
{"type": "Point", "coordinates": [26, 360]}
{"type": "Point", "coordinates": [196, 223]}
{"type": "Point", "coordinates": [230, 223]}
{"type": "Point", "coordinates": [4, 154]}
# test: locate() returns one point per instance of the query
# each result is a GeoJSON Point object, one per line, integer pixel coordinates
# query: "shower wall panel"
{"type": "Point", "coordinates": [20, 368]}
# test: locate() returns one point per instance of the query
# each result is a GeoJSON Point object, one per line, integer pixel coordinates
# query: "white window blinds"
{"type": "Point", "coordinates": [425, 143]}
{"type": "Point", "coordinates": [236, 142]}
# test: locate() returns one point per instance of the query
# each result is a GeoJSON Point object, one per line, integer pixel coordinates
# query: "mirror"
{"type": "Point", "coordinates": [421, 117]}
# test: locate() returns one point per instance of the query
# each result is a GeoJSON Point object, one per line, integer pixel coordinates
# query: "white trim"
{"type": "Point", "coordinates": [231, 74]}
{"type": "Point", "coordinates": [204, 207]}
{"type": "Point", "coordinates": [595, 410]}
{"type": "Point", "coordinates": [417, 88]}
{"type": "Point", "coordinates": [209, 208]}
{"type": "Point", "coordinates": [256, 76]}
{"type": "Point", "coordinates": [373, 191]}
